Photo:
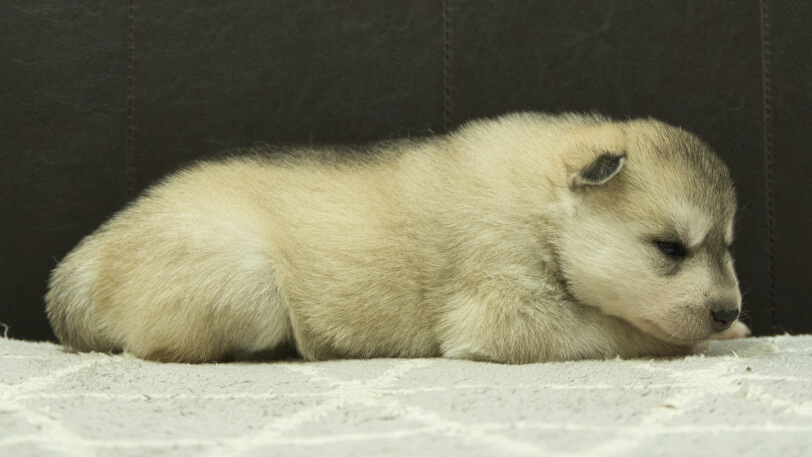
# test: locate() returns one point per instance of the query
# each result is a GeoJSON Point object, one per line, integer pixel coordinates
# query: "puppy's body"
{"type": "Point", "coordinates": [526, 238]}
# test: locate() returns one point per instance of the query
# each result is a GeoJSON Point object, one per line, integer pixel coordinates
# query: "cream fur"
{"type": "Point", "coordinates": [472, 245]}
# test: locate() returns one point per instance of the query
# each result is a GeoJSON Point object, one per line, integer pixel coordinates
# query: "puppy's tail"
{"type": "Point", "coordinates": [70, 306]}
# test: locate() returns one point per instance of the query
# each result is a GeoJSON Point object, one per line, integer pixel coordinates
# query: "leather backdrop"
{"type": "Point", "coordinates": [101, 98]}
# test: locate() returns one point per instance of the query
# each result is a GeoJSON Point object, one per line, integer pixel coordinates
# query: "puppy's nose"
{"type": "Point", "coordinates": [724, 318]}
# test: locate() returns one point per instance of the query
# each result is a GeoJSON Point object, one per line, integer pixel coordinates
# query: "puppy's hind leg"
{"type": "Point", "coordinates": [181, 300]}
{"type": "Point", "coordinates": [234, 310]}
{"type": "Point", "coordinates": [71, 308]}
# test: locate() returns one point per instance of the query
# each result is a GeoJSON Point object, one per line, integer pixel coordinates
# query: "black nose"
{"type": "Point", "coordinates": [724, 318]}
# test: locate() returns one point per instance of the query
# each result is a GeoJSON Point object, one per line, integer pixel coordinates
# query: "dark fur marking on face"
{"type": "Point", "coordinates": [671, 253]}
{"type": "Point", "coordinates": [669, 266]}
{"type": "Point", "coordinates": [672, 249]}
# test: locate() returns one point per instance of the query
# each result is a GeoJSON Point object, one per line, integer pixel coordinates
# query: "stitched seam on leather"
{"type": "Point", "coordinates": [768, 152]}
{"type": "Point", "coordinates": [131, 178]}
{"type": "Point", "coordinates": [447, 106]}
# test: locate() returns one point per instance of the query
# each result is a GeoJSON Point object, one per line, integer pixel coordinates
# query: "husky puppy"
{"type": "Point", "coordinates": [525, 238]}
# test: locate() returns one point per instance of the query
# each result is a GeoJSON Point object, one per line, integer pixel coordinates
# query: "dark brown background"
{"type": "Point", "coordinates": [101, 98]}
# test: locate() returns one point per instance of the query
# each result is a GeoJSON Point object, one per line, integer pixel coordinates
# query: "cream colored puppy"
{"type": "Point", "coordinates": [526, 238]}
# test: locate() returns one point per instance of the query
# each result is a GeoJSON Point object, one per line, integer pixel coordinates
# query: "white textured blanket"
{"type": "Point", "coordinates": [750, 397]}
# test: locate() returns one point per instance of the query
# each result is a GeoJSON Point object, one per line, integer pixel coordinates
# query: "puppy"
{"type": "Point", "coordinates": [526, 238]}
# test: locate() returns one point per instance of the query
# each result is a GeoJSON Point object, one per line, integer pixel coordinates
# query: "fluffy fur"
{"type": "Point", "coordinates": [521, 239]}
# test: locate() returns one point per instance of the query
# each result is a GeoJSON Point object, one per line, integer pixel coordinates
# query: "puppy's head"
{"type": "Point", "coordinates": [647, 228]}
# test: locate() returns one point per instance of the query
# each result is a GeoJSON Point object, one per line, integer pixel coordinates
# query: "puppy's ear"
{"type": "Point", "coordinates": [599, 171]}
{"type": "Point", "coordinates": [593, 154]}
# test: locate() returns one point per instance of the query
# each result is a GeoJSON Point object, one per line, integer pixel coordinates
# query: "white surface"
{"type": "Point", "coordinates": [748, 397]}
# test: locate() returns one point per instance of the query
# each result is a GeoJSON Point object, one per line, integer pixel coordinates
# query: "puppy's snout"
{"type": "Point", "coordinates": [724, 318]}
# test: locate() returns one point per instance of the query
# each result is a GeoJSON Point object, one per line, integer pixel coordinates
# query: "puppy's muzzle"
{"type": "Point", "coordinates": [723, 318]}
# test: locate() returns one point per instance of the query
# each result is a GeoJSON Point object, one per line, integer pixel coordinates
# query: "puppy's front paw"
{"type": "Point", "coordinates": [738, 330]}
{"type": "Point", "coordinates": [699, 348]}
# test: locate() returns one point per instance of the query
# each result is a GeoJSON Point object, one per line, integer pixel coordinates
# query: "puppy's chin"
{"type": "Point", "coordinates": [738, 330]}
{"type": "Point", "coordinates": [684, 337]}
